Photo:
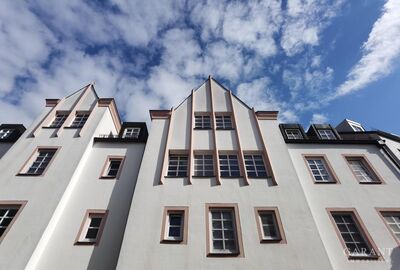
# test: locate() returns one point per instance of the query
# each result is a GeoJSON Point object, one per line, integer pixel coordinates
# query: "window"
{"type": "Point", "coordinates": [320, 170]}
{"type": "Point", "coordinates": [202, 122]}
{"type": "Point", "coordinates": [174, 227]}
{"type": "Point", "coordinates": [362, 170]}
{"type": "Point", "coordinates": [223, 228]}
{"type": "Point", "coordinates": [255, 166]}
{"type": "Point", "coordinates": [5, 132]}
{"type": "Point", "coordinates": [269, 225]}
{"type": "Point", "coordinates": [178, 165]}
{"type": "Point", "coordinates": [203, 165]}
{"type": "Point", "coordinates": [59, 120]}
{"type": "Point", "coordinates": [294, 134]}
{"type": "Point", "coordinates": [355, 239]}
{"type": "Point", "coordinates": [80, 120]}
{"type": "Point", "coordinates": [112, 167]}
{"type": "Point", "coordinates": [131, 133]}
{"type": "Point", "coordinates": [391, 218]}
{"type": "Point", "coordinates": [223, 121]}
{"type": "Point", "coordinates": [9, 211]}
{"type": "Point", "coordinates": [229, 165]}
{"type": "Point", "coordinates": [92, 227]}
{"type": "Point", "coordinates": [39, 162]}
{"type": "Point", "coordinates": [357, 128]}
{"type": "Point", "coordinates": [326, 134]}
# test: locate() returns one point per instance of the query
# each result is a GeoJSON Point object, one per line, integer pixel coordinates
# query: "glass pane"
{"type": "Point", "coordinates": [174, 231]}
{"type": "Point", "coordinates": [92, 233]}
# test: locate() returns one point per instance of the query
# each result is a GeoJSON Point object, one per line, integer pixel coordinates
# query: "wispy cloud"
{"type": "Point", "coordinates": [380, 51]}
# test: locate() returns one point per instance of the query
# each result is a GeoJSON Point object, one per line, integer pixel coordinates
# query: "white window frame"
{"type": "Point", "coordinates": [224, 221]}
{"type": "Point", "coordinates": [317, 171]}
{"type": "Point", "coordinates": [85, 226]}
{"type": "Point", "coordinates": [80, 119]}
{"type": "Point", "coordinates": [180, 226]}
{"type": "Point", "coordinates": [37, 161]}
{"type": "Point", "coordinates": [131, 132]}
{"type": "Point", "coordinates": [362, 171]}
{"type": "Point", "coordinates": [391, 219]}
{"type": "Point", "coordinates": [7, 206]}
{"type": "Point", "coordinates": [250, 161]}
{"type": "Point", "coordinates": [201, 161]}
{"type": "Point", "coordinates": [182, 161]}
{"type": "Point", "coordinates": [327, 134]}
{"type": "Point", "coordinates": [183, 211]}
{"type": "Point", "coordinates": [59, 119]}
{"type": "Point", "coordinates": [274, 225]}
{"type": "Point", "coordinates": [202, 121]}
{"type": "Point", "coordinates": [5, 132]}
{"type": "Point", "coordinates": [229, 164]}
{"type": "Point", "coordinates": [294, 134]}
{"type": "Point", "coordinates": [222, 122]}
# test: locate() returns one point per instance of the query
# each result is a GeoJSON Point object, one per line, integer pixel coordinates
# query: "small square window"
{"type": "Point", "coordinates": [223, 121]}
{"type": "Point", "coordinates": [326, 134]}
{"type": "Point", "coordinates": [59, 120]}
{"type": "Point", "coordinates": [112, 167]}
{"type": "Point", "coordinates": [293, 134]}
{"type": "Point", "coordinates": [8, 214]}
{"type": "Point", "coordinates": [223, 229]}
{"type": "Point", "coordinates": [363, 172]}
{"type": "Point", "coordinates": [131, 133]}
{"type": "Point", "coordinates": [269, 225]}
{"type": "Point", "coordinates": [320, 170]}
{"type": "Point", "coordinates": [92, 227]}
{"type": "Point", "coordinates": [174, 227]}
{"type": "Point", "coordinates": [357, 242]}
{"type": "Point", "coordinates": [39, 162]}
{"type": "Point", "coordinates": [80, 120]}
{"type": "Point", "coordinates": [255, 166]}
{"type": "Point", "coordinates": [178, 165]}
{"type": "Point", "coordinates": [5, 133]}
{"type": "Point", "coordinates": [202, 122]}
{"type": "Point", "coordinates": [203, 165]}
{"type": "Point", "coordinates": [229, 165]}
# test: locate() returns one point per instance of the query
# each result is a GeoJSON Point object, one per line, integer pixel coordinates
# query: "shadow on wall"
{"type": "Point", "coordinates": [105, 255]}
{"type": "Point", "coordinates": [395, 259]}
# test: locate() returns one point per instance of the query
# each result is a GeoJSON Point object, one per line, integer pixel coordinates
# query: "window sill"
{"type": "Point", "coordinates": [85, 243]}
{"type": "Point", "coordinates": [202, 128]}
{"type": "Point", "coordinates": [215, 254]}
{"type": "Point", "coordinates": [173, 176]}
{"type": "Point", "coordinates": [225, 129]}
{"type": "Point", "coordinates": [28, 174]}
{"type": "Point", "coordinates": [73, 127]}
{"type": "Point", "coordinates": [108, 177]}
{"type": "Point", "coordinates": [370, 183]}
{"type": "Point", "coordinates": [326, 183]}
{"type": "Point", "coordinates": [236, 176]}
{"type": "Point", "coordinates": [272, 241]}
{"type": "Point", "coordinates": [200, 176]}
{"type": "Point", "coordinates": [171, 241]}
{"type": "Point", "coordinates": [259, 177]}
{"type": "Point", "coordinates": [364, 258]}
{"type": "Point", "coordinates": [50, 127]}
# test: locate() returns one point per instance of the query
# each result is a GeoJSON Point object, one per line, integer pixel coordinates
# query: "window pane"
{"type": "Point", "coordinates": [318, 169]}
{"type": "Point", "coordinates": [40, 163]}
{"type": "Point", "coordinates": [223, 232]}
{"type": "Point", "coordinates": [92, 233]}
{"type": "Point", "coordinates": [178, 165]}
{"type": "Point", "coordinates": [229, 165]}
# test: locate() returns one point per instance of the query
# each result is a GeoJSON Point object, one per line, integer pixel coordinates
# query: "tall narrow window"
{"type": "Point", "coordinates": [8, 213]}
{"type": "Point", "coordinates": [174, 227]}
{"type": "Point", "coordinates": [178, 165]}
{"type": "Point", "coordinates": [80, 120]}
{"type": "Point", "coordinates": [293, 134]}
{"type": "Point", "coordinates": [202, 122]}
{"type": "Point", "coordinates": [229, 166]}
{"type": "Point", "coordinates": [112, 167]}
{"type": "Point", "coordinates": [131, 133]}
{"type": "Point", "coordinates": [39, 162]}
{"type": "Point", "coordinates": [362, 170]}
{"type": "Point", "coordinates": [5, 132]}
{"type": "Point", "coordinates": [355, 239]}
{"type": "Point", "coordinates": [392, 221]}
{"type": "Point", "coordinates": [255, 166]}
{"type": "Point", "coordinates": [92, 227]}
{"type": "Point", "coordinates": [269, 225]}
{"type": "Point", "coordinates": [320, 170]}
{"type": "Point", "coordinates": [224, 237]}
{"type": "Point", "coordinates": [326, 134]}
{"type": "Point", "coordinates": [59, 120]}
{"type": "Point", "coordinates": [223, 121]}
{"type": "Point", "coordinates": [203, 165]}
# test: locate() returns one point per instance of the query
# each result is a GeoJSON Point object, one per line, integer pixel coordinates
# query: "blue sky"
{"type": "Point", "coordinates": [314, 61]}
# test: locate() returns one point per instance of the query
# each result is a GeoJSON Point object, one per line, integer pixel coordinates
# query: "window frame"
{"type": "Point", "coordinates": [202, 114]}
{"type": "Point", "coordinates": [21, 205]}
{"type": "Point", "coordinates": [281, 239]}
{"type": "Point", "coordinates": [80, 237]}
{"type": "Point", "coordinates": [131, 137]}
{"type": "Point", "coordinates": [203, 153]}
{"type": "Point", "coordinates": [326, 129]}
{"type": "Point", "coordinates": [104, 171]}
{"type": "Point", "coordinates": [237, 229]}
{"type": "Point", "coordinates": [224, 114]}
{"type": "Point", "coordinates": [178, 153]}
{"type": "Point", "coordinates": [367, 165]}
{"type": "Point", "coordinates": [64, 113]}
{"type": "Point", "coordinates": [328, 168]}
{"type": "Point", "coordinates": [184, 210]}
{"type": "Point", "coordinates": [256, 153]}
{"type": "Point", "coordinates": [240, 165]}
{"type": "Point", "coordinates": [7, 134]}
{"type": "Point", "coordinates": [362, 230]}
{"type": "Point", "coordinates": [23, 171]}
{"type": "Point", "coordinates": [299, 131]}
{"type": "Point", "coordinates": [88, 113]}
{"type": "Point", "coordinates": [389, 210]}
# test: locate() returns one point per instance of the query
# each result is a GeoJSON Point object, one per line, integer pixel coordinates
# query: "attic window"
{"type": "Point", "coordinates": [326, 134]}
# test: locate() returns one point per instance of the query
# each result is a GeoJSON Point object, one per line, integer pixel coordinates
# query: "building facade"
{"type": "Point", "coordinates": [215, 185]}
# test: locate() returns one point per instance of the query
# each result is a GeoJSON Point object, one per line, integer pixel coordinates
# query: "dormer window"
{"type": "Point", "coordinates": [5, 133]}
{"type": "Point", "coordinates": [357, 128]}
{"type": "Point", "coordinates": [326, 134]}
{"type": "Point", "coordinates": [294, 134]}
{"type": "Point", "coordinates": [132, 133]}
{"type": "Point", "coordinates": [59, 120]}
{"type": "Point", "coordinates": [80, 119]}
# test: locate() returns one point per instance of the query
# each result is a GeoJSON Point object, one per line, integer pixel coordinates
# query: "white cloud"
{"type": "Point", "coordinates": [380, 51]}
{"type": "Point", "coordinates": [318, 118]}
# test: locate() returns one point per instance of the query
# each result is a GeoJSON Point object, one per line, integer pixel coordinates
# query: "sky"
{"type": "Point", "coordinates": [314, 61]}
